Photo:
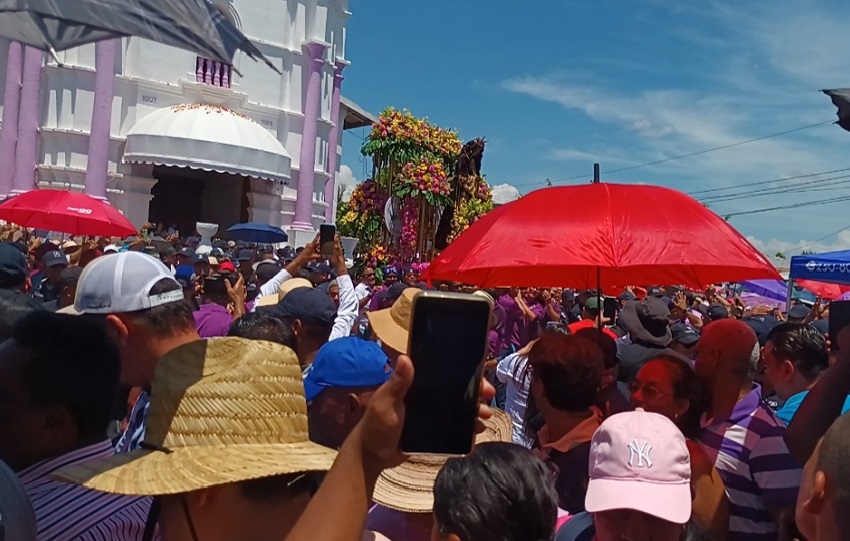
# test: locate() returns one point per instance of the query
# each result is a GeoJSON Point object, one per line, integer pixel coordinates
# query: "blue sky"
{"type": "Point", "coordinates": [556, 85]}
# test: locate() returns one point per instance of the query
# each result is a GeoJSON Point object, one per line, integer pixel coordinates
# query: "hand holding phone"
{"type": "Point", "coordinates": [839, 317]}
{"type": "Point", "coordinates": [447, 344]}
{"type": "Point", "coordinates": [327, 236]}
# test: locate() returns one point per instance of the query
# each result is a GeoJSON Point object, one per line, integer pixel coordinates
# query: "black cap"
{"type": "Point", "coordinates": [321, 268]}
{"type": "Point", "coordinates": [308, 304]}
{"type": "Point", "coordinates": [150, 250]}
{"type": "Point", "coordinates": [54, 258]}
{"type": "Point", "coordinates": [761, 325]}
{"type": "Point", "coordinates": [655, 292]}
{"type": "Point", "coordinates": [648, 320]}
{"type": "Point", "coordinates": [13, 266]}
{"type": "Point", "coordinates": [684, 334]}
{"type": "Point", "coordinates": [799, 311]}
{"type": "Point", "coordinates": [626, 296]}
{"type": "Point", "coordinates": [245, 255]}
{"type": "Point", "coordinates": [70, 276]}
{"type": "Point", "coordinates": [187, 252]}
{"type": "Point", "coordinates": [169, 252]}
{"type": "Point", "coordinates": [392, 293]}
{"type": "Point", "coordinates": [201, 258]}
{"type": "Point", "coordinates": [240, 244]}
{"type": "Point", "coordinates": [717, 311]}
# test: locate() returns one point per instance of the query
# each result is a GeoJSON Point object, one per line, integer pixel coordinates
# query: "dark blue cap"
{"type": "Point", "coordinates": [187, 252]}
{"type": "Point", "coordinates": [799, 311]}
{"type": "Point", "coordinates": [13, 265]}
{"type": "Point", "coordinates": [308, 304]}
{"type": "Point", "coordinates": [684, 334]}
{"type": "Point", "coordinates": [717, 311]}
{"type": "Point", "coordinates": [54, 258]}
{"type": "Point", "coordinates": [245, 255]}
{"type": "Point", "coordinates": [347, 362]}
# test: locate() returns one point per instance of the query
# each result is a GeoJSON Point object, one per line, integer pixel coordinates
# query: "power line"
{"type": "Point", "coordinates": [803, 247]}
{"type": "Point", "coordinates": [761, 182]}
{"type": "Point", "coordinates": [793, 206]}
{"type": "Point", "coordinates": [834, 182]}
{"type": "Point", "coordinates": [689, 155]}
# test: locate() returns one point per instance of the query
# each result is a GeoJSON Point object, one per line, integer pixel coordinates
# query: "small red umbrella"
{"type": "Point", "coordinates": [604, 235]}
{"type": "Point", "coordinates": [824, 290]}
{"type": "Point", "coordinates": [66, 212]}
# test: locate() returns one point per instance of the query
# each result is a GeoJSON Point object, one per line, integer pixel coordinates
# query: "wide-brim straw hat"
{"type": "Point", "coordinates": [410, 486]}
{"type": "Point", "coordinates": [285, 287]}
{"type": "Point", "coordinates": [392, 325]}
{"type": "Point", "coordinates": [223, 410]}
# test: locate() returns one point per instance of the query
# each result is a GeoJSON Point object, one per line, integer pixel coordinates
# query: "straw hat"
{"type": "Point", "coordinates": [285, 287]}
{"type": "Point", "coordinates": [392, 325]}
{"type": "Point", "coordinates": [222, 410]}
{"type": "Point", "coordinates": [410, 486]}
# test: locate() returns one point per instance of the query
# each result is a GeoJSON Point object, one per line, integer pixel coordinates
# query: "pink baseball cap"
{"type": "Point", "coordinates": [639, 460]}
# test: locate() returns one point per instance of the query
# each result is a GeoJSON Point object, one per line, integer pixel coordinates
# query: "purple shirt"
{"type": "Point", "coordinates": [527, 330]}
{"type": "Point", "coordinates": [494, 343]}
{"type": "Point", "coordinates": [513, 313]}
{"type": "Point", "coordinates": [212, 320]}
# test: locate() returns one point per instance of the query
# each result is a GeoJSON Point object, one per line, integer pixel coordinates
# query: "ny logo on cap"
{"type": "Point", "coordinates": [640, 451]}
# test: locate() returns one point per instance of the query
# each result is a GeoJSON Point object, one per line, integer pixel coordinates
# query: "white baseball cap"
{"type": "Point", "coordinates": [121, 283]}
{"type": "Point", "coordinates": [640, 461]}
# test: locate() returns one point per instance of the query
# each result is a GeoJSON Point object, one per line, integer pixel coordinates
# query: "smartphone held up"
{"type": "Point", "coordinates": [447, 344]}
{"type": "Point", "coordinates": [839, 317]}
{"type": "Point", "coordinates": [327, 240]}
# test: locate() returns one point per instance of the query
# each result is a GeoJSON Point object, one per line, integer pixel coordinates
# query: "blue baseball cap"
{"type": "Point", "coordinates": [347, 362]}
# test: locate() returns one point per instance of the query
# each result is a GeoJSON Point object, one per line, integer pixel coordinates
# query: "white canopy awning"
{"type": "Point", "coordinates": [208, 137]}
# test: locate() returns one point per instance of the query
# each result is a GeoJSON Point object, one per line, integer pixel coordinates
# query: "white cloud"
{"type": "Point", "coordinates": [764, 65]}
{"type": "Point", "coordinates": [775, 246]}
{"type": "Point", "coordinates": [345, 178]}
{"type": "Point", "coordinates": [504, 193]}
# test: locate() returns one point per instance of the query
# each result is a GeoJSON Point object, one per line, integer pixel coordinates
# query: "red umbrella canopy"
{"type": "Point", "coordinates": [627, 233]}
{"type": "Point", "coordinates": [66, 212]}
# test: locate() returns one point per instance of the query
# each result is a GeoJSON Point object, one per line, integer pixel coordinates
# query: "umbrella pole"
{"type": "Point", "coordinates": [790, 294]}
{"type": "Point", "coordinates": [600, 317]}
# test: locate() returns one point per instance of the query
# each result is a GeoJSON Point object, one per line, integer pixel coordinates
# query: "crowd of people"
{"type": "Point", "coordinates": [175, 391]}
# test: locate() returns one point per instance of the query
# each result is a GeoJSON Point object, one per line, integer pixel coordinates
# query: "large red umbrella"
{"type": "Point", "coordinates": [66, 212]}
{"type": "Point", "coordinates": [600, 235]}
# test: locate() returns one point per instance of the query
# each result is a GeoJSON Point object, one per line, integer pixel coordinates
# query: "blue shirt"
{"type": "Point", "coordinates": [135, 433]}
{"type": "Point", "coordinates": [787, 411]}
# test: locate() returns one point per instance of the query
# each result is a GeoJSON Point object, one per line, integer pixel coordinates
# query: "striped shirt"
{"type": "Point", "coordinates": [66, 512]}
{"type": "Point", "coordinates": [134, 435]}
{"type": "Point", "coordinates": [759, 472]}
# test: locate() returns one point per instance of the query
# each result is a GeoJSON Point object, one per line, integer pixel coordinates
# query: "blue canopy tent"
{"type": "Point", "coordinates": [829, 267]}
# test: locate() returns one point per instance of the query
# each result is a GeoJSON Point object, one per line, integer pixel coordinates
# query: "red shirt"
{"type": "Point", "coordinates": [588, 324]}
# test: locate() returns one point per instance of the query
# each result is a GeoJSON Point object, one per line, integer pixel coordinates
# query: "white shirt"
{"type": "Point", "coordinates": [512, 372]}
{"type": "Point", "coordinates": [346, 315]}
{"type": "Point", "coordinates": [362, 291]}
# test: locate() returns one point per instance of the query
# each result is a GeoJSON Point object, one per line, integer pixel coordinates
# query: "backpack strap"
{"type": "Point", "coordinates": [579, 528]}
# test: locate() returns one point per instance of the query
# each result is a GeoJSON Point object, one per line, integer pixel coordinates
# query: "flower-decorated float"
{"type": "Point", "coordinates": [426, 188]}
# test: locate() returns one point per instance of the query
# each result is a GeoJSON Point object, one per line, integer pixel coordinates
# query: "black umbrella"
{"type": "Point", "coordinates": [841, 99]}
{"type": "Point", "coordinates": [194, 25]}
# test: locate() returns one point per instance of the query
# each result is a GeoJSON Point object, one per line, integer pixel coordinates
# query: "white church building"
{"type": "Point", "coordinates": [170, 137]}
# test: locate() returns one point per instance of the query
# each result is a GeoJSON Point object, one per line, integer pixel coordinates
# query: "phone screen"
{"type": "Point", "coordinates": [327, 232]}
{"type": "Point", "coordinates": [609, 308]}
{"type": "Point", "coordinates": [839, 317]}
{"type": "Point", "coordinates": [447, 345]}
